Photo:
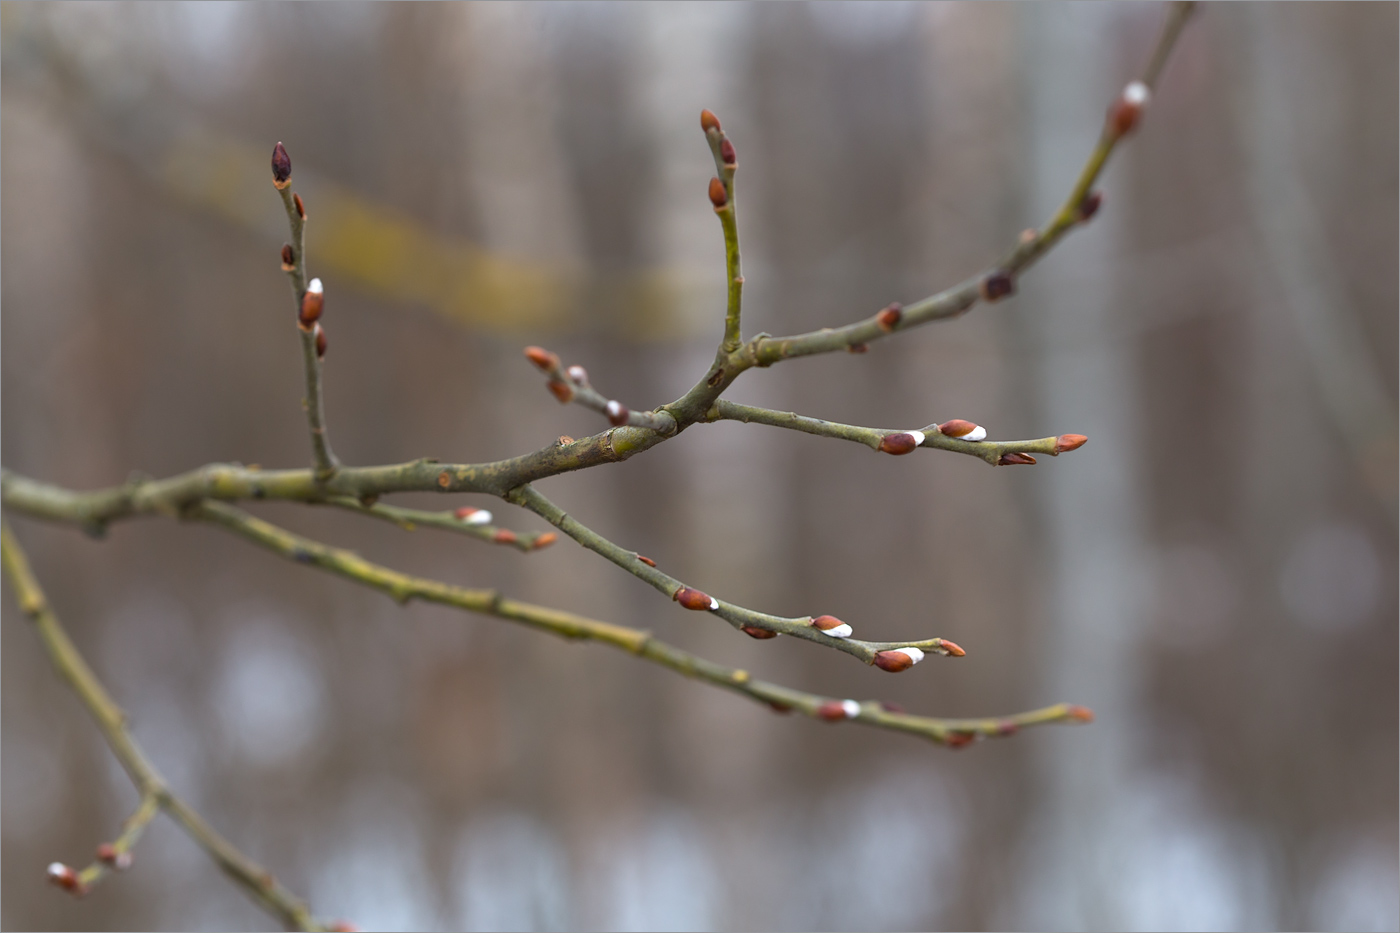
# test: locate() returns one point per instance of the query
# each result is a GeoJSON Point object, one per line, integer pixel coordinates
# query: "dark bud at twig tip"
{"type": "Point", "coordinates": [617, 413]}
{"type": "Point", "coordinates": [694, 599]}
{"type": "Point", "coordinates": [718, 196]}
{"type": "Point", "coordinates": [727, 153]}
{"type": "Point", "coordinates": [312, 303]}
{"type": "Point", "coordinates": [289, 258]}
{"type": "Point", "coordinates": [997, 286]}
{"type": "Point", "coordinates": [1012, 459]}
{"type": "Point", "coordinates": [753, 631]}
{"type": "Point", "coordinates": [888, 319]}
{"type": "Point", "coordinates": [281, 166]}
{"type": "Point", "coordinates": [301, 208]}
{"type": "Point", "coordinates": [542, 358]}
{"type": "Point", "coordinates": [708, 121]}
{"type": "Point", "coordinates": [108, 855]}
{"type": "Point", "coordinates": [1090, 205]}
{"type": "Point", "coordinates": [561, 390]}
{"type": "Point", "coordinates": [320, 342]}
{"type": "Point", "coordinates": [1067, 442]}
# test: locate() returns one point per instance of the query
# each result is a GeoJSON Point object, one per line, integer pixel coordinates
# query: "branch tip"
{"type": "Point", "coordinates": [60, 874]}
{"type": "Point", "coordinates": [950, 649]}
{"type": "Point", "coordinates": [708, 122]}
{"type": "Point", "coordinates": [544, 360]}
{"type": "Point", "coordinates": [1079, 714]}
{"type": "Point", "coordinates": [281, 170]}
{"type": "Point", "coordinates": [1067, 442]}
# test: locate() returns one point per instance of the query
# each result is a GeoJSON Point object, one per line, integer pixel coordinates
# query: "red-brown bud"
{"type": "Point", "coordinates": [320, 342]}
{"type": "Point", "coordinates": [899, 659]}
{"type": "Point", "coordinates": [1067, 442]}
{"type": "Point", "coordinates": [504, 536]}
{"type": "Point", "coordinates": [1126, 110]}
{"type": "Point", "coordinates": [902, 442]}
{"type": "Point", "coordinates": [301, 208]}
{"type": "Point", "coordinates": [694, 599]}
{"type": "Point", "coordinates": [1079, 714]}
{"type": "Point", "coordinates": [888, 319]}
{"type": "Point", "coordinates": [963, 430]}
{"type": "Point", "coordinates": [708, 121]}
{"type": "Point", "coordinates": [960, 739]}
{"type": "Point", "coordinates": [289, 258]}
{"type": "Point", "coordinates": [473, 516]}
{"type": "Point", "coordinates": [312, 302]}
{"type": "Point", "coordinates": [560, 390]}
{"type": "Point", "coordinates": [1090, 205]}
{"type": "Point", "coordinates": [857, 348]}
{"type": "Point", "coordinates": [951, 648]}
{"type": "Point", "coordinates": [543, 541]}
{"type": "Point", "coordinates": [617, 413]}
{"type": "Point", "coordinates": [779, 707]}
{"type": "Point", "coordinates": [281, 166]}
{"type": "Point", "coordinates": [646, 560]}
{"type": "Point", "coordinates": [108, 855]}
{"type": "Point", "coordinates": [66, 878]}
{"type": "Point", "coordinates": [837, 710]}
{"type": "Point", "coordinates": [718, 196]}
{"type": "Point", "coordinates": [753, 631]}
{"type": "Point", "coordinates": [998, 285]}
{"type": "Point", "coordinates": [832, 626]}
{"type": "Point", "coordinates": [727, 154]}
{"type": "Point", "coordinates": [542, 358]}
{"type": "Point", "coordinates": [1012, 459]}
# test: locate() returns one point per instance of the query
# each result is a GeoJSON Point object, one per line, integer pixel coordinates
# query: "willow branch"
{"type": "Point", "coordinates": [71, 666]}
{"type": "Point", "coordinates": [756, 624]}
{"type": "Point", "coordinates": [404, 588]}
{"type": "Point", "coordinates": [308, 304]}
{"type": "Point", "coordinates": [474, 523]}
{"type": "Point", "coordinates": [997, 453]}
{"type": "Point", "coordinates": [722, 197]}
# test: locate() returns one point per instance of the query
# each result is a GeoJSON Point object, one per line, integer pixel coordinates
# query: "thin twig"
{"type": "Point", "coordinates": [469, 522]}
{"type": "Point", "coordinates": [110, 719]}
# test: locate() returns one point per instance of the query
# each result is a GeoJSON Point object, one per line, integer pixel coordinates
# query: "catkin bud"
{"type": "Point", "coordinates": [301, 208]}
{"type": "Point", "coordinates": [998, 285]}
{"type": "Point", "coordinates": [281, 167]}
{"type": "Point", "coordinates": [901, 443]}
{"type": "Point", "coordinates": [694, 599]}
{"type": "Point", "coordinates": [542, 358]}
{"type": "Point", "coordinates": [837, 710]}
{"type": "Point", "coordinates": [289, 258]}
{"type": "Point", "coordinates": [830, 625]}
{"type": "Point", "coordinates": [888, 319]}
{"type": "Point", "coordinates": [1012, 459]}
{"type": "Point", "coordinates": [1067, 442]}
{"type": "Point", "coordinates": [312, 302]}
{"type": "Point", "coordinates": [66, 878]}
{"type": "Point", "coordinates": [108, 855]}
{"type": "Point", "coordinates": [1126, 110]}
{"type": "Point", "coordinates": [320, 341]}
{"type": "Point", "coordinates": [727, 154]}
{"type": "Point", "coordinates": [708, 121]}
{"type": "Point", "coordinates": [898, 659]}
{"type": "Point", "coordinates": [962, 430]}
{"type": "Point", "coordinates": [617, 413]}
{"type": "Point", "coordinates": [471, 516]}
{"type": "Point", "coordinates": [1090, 205]}
{"type": "Point", "coordinates": [753, 631]}
{"type": "Point", "coordinates": [718, 196]}
{"type": "Point", "coordinates": [579, 375]}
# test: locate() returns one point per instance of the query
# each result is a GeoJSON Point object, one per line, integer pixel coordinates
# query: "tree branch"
{"type": "Point", "coordinates": [110, 719]}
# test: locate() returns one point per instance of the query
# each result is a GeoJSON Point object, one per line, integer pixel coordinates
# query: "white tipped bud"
{"type": "Point", "coordinates": [579, 375]}
{"type": "Point", "coordinates": [918, 437]}
{"type": "Point", "coordinates": [1137, 94]}
{"type": "Point", "coordinates": [479, 517]}
{"type": "Point", "coordinates": [851, 708]}
{"type": "Point", "coordinates": [58, 871]}
{"type": "Point", "coordinates": [914, 654]}
{"type": "Point", "coordinates": [315, 287]}
{"type": "Point", "coordinates": [841, 631]}
{"type": "Point", "coordinates": [617, 413]}
{"type": "Point", "coordinates": [976, 434]}
{"type": "Point", "coordinates": [714, 604]}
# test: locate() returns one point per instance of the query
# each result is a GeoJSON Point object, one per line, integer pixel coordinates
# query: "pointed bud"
{"type": "Point", "coordinates": [708, 121]}
{"type": "Point", "coordinates": [857, 348]}
{"type": "Point", "coordinates": [1067, 442]}
{"type": "Point", "coordinates": [1079, 714]}
{"type": "Point", "coordinates": [962, 430]}
{"type": "Point", "coordinates": [997, 286]}
{"type": "Point", "coordinates": [473, 516]}
{"type": "Point", "coordinates": [579, 375]}
{"type": "Point", "coordinates": [281, 167]}
{"type": "Point", "coordinates": [289, 258]}
{"type": "Point", "coordinates": [66, 878]}
{"type": "Point", "coordinates": [646, 560]}
{"type": "Point", "coordinates": [1013, 459]}
{"type": "Point", "coordinates": [727, 154]}
{"type": "Point", "coordinates": [560, 390]}
{"type": "Point", "coordinates": [718, 196]}
{"type": "Point", "coordinates": [320, 342]}
{"type": "Point", "coordinates": [542, 358]}
{"type": "Point", "coordinates": [108, 855]}
{"type": "Point", "coordinates": [617, 413]}
{"type": "Point", "coordinates": [949, 649]}
{"type": "Point", "coordinates": [837, 710]}
{"type": "Point", "coordinates": [960, 739]}
{"type": "Point", "coordinates": [301, 208]}
{"type": "Point", "coordinates": [1126, 111]}
{"type": "Point", "coordinates": [753, 631]}
{"type": "Point", "coordinates": [830, 625]}
{"type": "Point", "coordinates": [694, 599]}
{"type": "Point", "coordinates": [504, 536]}
{"type": "Point", "coordinates": [1090, 205]}
{"type": "Point", "coordinates": [898, 659]}
{"type": "Point", "coordinates": [901, 443]}
{"type": "Point", "coordinates": [888, 319]}
{"type": "Point", "coordinates": [543, 541]}
{"type": "Point", "coordinates": [312, 301]}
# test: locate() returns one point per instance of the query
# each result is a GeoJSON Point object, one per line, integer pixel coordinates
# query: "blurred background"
{"type": "Point", "coordinates": [1214, 573]}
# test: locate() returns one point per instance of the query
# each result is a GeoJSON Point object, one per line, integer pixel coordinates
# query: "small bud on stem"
{"type": "Point", "coordinates": [646, 560]}
{"type": "Point", "coordinates": [837, 710]}
{"type": "Point", "coordinates": [579, 375]}
{"type": "Point", "coordinates": [898, 659]}
{"type": "Point", "coordinates": [312, 302]}
{"type": "Point", "coordinates": [1013, 459]}
{"type": "Point", "coordinates": [544, 360]}
{"type": "Point", "coordinates": [617, 413]}
{"type": "Point", "coordinates": [560, 390]}
{"type": "Point", "coordinates": [472, 516]}
{"type": "Point", "coordinates": [962, 430]}
{"type": "Point", "coordinates": [544, 541]}
{"type": "Point", "coordinates": [320, 341]}
{"type": "Point", "coordinates": [888, 319]}
{"type": "Point", "coordinates": [109, 856]}
{"type": "Point", "coordinates": [997, 286]}
{"type": "Point", "coordinates": [66, 878]}
{"type": "Point", "coordinates": [289, 258]}
{"type": "Point", "coordinates": [1126, 110]}
{"type": "Point", "coordinates": [901, 443]}
{"type": "Point", "coordinates": [1090, 205]}
{"type": "Point", "coordinates": [718, 196]}
{"type": "Point", "coordinates": [830, 625]}
{"type": "Point", "coordinates": [727, 154]}
{"type": "Point", "coordinates": [753, 631]}
{"type": "Point", "coordinates": [1080, 714]}
{"type": "Point", "coordinates": [281, 167]}
{"type": "Point", "coordinates": [694, 599]}
{"type": "Point", "coordinates": [504, 536]}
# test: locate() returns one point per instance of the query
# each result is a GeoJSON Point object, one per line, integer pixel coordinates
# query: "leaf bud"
{"type": "Point", "coordinates": [281, 167]}
{"type": "Point", "coordinates": [1067, 442]}
{"type": "Point", "coordinates": [1014, 458]}
{"type": "Point", "coordinates": [888, 319]}
{"type": "Point", "coordinates": [727, 154]}
{"type": "Point", "coordinates": [1079, 714]}
{"type": "Point", "coordinates": [694, 599]}
{"type": "Point", "coordinates": [718, 196]}
{"type": "Point", "coordinates": [1090, 205]}
{"type": "Point", "coordinates": [949, 649]}
{"type": "Point", "coordinates": [708, 121]}
{"type": "Point", "coordinates": [960, 738]}
{"type": "Point", "coordinates": [753, 631]}
{"type": "Point", "coordinates": [301, 208]}
{"type": "Point", "coordinates": [504, 536]}
{"type": "Point", "coordinates": [646, 560]}
{"type": "Point", "coordinates": [543, 541]}
{"type": "Point", "coordinates": [544, 360]}
{"type": "Point", "coordinates": [560, 390]}
{"type": "Point", "coordinates": [108, 855]}
{"type": "Point", "coordinates": [289, 258]}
